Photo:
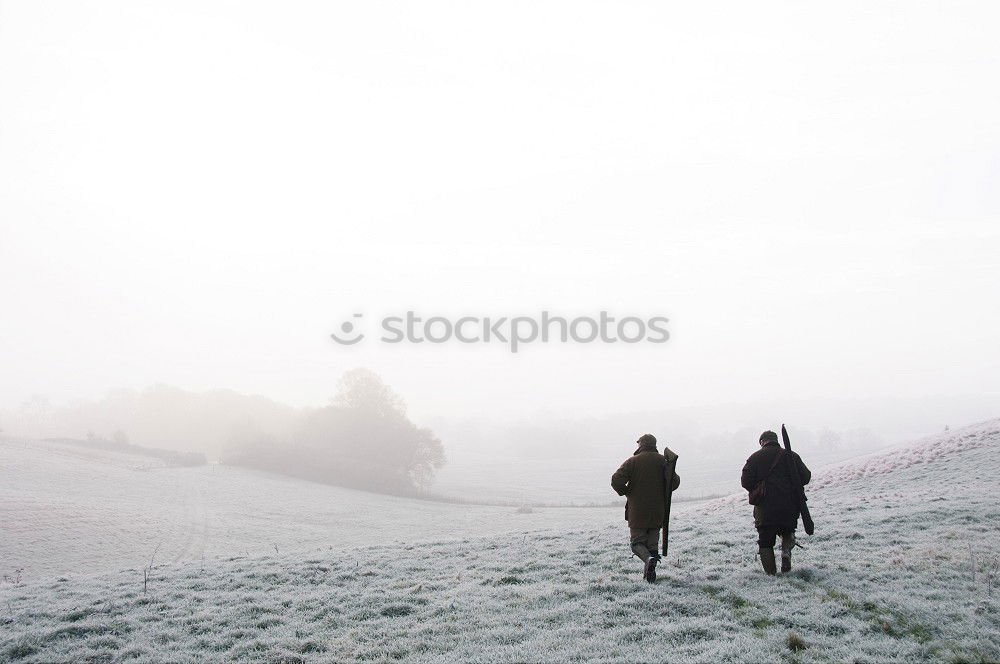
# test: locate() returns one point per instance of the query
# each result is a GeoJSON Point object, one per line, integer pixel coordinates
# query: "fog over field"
{"type": "Point", "coordinates": [536, 460]}
{"type": "Point", "coordinates": [324, 326]}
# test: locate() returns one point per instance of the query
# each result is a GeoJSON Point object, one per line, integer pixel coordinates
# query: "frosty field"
{"type": "Point", "coordinates": [903, 567]}
{"type": "Point", "coordinates": [65, 508]}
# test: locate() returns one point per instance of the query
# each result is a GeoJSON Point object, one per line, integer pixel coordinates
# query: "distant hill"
{"type": "Point", "coordinates": [70, 508]}
{"type": "Point", "coordinates": [169, 457]}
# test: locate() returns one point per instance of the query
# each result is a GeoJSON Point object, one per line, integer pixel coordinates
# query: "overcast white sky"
{"type": "Point", "coordinates": [199, 193]}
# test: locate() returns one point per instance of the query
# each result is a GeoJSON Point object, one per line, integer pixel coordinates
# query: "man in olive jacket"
{"type": "Point", "coordinates": [642, 479]}
{"type": "Point", "coordinates": [778, 513]}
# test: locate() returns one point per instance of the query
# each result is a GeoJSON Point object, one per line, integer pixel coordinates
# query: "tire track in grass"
{"type": "Point", "coordinates": [192, 524]}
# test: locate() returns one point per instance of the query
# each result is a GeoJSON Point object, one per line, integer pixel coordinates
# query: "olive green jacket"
{"type": "Point", "coordinates": [642, 478]}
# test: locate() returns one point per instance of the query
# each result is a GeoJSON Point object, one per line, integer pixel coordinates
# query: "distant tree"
{"type": "Point", "coordinates": [362, 390]}
{"type": "Point", "coordinates": [376, 433]}
{"type": "Point", "coordinates": [120, 438]}
{"type": "Point", "coordinates": [363, 439]}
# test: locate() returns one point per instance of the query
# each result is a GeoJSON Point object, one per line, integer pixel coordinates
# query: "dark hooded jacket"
{"type": "Point", "coordinates": [642, 479]}
{"type": "Point", "coordinates": [780, 507]}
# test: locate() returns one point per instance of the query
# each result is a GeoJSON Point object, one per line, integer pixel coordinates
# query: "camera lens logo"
{"type": "Point", "coordinates": [347, 327]}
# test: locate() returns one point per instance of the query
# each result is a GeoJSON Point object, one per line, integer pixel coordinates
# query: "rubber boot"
{"type": "Point", "coordinates": [787, 544]}
{"type": "Point", "coordinates": [767, 560]}
{"type": "Point", "coordinates": [649, 570]}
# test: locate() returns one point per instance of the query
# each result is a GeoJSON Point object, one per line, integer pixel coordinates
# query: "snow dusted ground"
{"type": "Point", "coordinates": [64, 508]}
{"type": "Point", "coordinates": [902, 568]}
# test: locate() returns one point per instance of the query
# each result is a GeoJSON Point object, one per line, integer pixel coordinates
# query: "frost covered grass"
{"type": "Point", "coordinates": [899, 571]}
{"type": "Point", "coordinates": [64, 508]}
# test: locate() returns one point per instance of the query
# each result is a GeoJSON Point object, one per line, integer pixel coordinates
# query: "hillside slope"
{"type": "Point", "coordinates": [902, 568]}
{"type": "Point", "coordinates": [64, 508]}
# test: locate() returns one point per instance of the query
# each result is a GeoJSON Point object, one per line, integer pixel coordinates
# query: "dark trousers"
{"type": "Point", "coordinates": [645, 542]}
{"type": "Point", "coordinates": [766, 535]}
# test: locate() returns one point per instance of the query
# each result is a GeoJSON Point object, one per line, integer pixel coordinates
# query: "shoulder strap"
{"type": "Point", "coordinates": [774, 463]}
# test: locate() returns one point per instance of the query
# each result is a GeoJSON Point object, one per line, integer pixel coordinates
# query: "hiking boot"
{"type": "Point", "coordinates": [767, 560]}
{"type": "Point", "coordinates": [649, 571]}
{"type": "Point", "coordinates": [787, 544]}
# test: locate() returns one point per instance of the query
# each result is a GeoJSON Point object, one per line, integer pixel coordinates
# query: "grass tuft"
{"type": "Point", "coordinates": [20, 650]}
{"type": "Point", "coordinates": [795, 642]}
{"type": "Point", "coordinates": [397, 610]}
{"type": "Point", "coordinates": [510, 581]}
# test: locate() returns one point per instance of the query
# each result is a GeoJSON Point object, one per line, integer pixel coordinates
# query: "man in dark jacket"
{"type": "Point", "coordinates": [778, 513]}
{"type": "Point", "coordinates": [643, 479]}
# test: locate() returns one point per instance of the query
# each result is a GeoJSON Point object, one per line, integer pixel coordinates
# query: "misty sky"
{"type": "Point", "coordinates": [200, 193]}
